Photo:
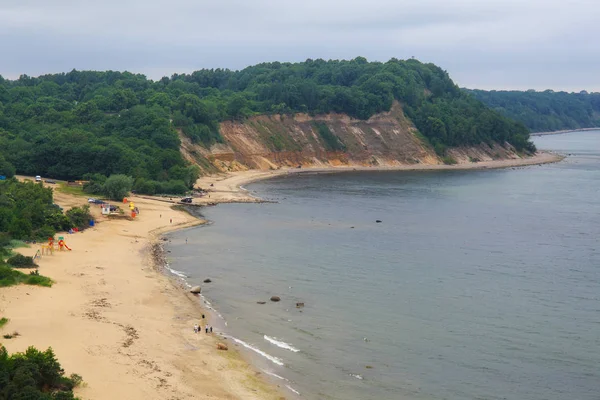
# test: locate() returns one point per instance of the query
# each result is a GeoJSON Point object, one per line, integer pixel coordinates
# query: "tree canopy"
{"type": "Point", "coordinates": [34, 375]}
{"type": "Point", "coordinates": [84, 122]}
{"type": "Point", "coordinates": [545, 111]}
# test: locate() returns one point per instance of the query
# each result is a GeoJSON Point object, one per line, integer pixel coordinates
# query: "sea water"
{"type": "Point", "coordinates": [480, 284]}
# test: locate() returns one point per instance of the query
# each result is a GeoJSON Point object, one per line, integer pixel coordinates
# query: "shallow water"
{"type": "Point", "coordinates": [476, 285]}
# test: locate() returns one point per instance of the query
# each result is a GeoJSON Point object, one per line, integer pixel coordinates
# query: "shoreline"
{"type": "Point", "coordinates": [118, 319]}
{"type": "Point", "coordinates": [564, 131]}
{"type": "Point", "coordinates": [228, 187]}
{"type": "Point", "coordinates": [130, 318]}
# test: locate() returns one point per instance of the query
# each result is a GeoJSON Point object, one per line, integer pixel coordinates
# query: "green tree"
{"type": "Point", "coordinates": [117, 186]}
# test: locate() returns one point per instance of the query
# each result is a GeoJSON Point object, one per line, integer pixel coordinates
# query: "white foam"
{"type": "Point", "coordinates": [259, 351]}
{"type": "Point", "coordinates": [357, 376]}
{"type": "Point", "coordinates": [281, 344]}
{"type": "Point", "coordinates": [175, 272]}
{"type": "Point", "coordinates": [275, 375]}
{"type": "Point", "coordinates": [292, 389]}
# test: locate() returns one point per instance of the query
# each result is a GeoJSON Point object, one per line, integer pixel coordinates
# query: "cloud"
{"type": "Point", "coordinates": [488, 44]}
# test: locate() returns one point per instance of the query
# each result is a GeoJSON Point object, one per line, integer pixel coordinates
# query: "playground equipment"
{"type": "Point", "coordinates": [47, 249]}
{"type": "Point", "coordinates": [62, 245]}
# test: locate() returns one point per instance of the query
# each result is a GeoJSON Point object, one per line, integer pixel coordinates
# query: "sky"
{"type": "Point", "coordinates": [484, 44]}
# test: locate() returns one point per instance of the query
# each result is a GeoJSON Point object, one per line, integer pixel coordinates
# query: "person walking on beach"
{"type": "Point", "coordinates": [206, 327]}
{"type": "Point", "coordinates": [196, 328]}
{"type": "Point", "coordinates": [211, 329]}
{"type": "Point", "coordinates": [171, 220]}
{"type": "Point", "coordinates": [202, 316]}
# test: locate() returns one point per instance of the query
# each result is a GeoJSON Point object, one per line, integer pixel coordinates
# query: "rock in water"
{"type": "Point", "coordinates": [299, 305]}
{"type": "Point", "coordinates": [378, 221]}
{"type": "Point", "coordinates": [207, 280]}
{"type": "Point", "coordinates": [222, 346]}
{"type": "Point", "coordinates": [261, 302]}
{"type": "Point", "coordinates": [196, 290]}
{"type": "Point", "coordinates": [275, 298]}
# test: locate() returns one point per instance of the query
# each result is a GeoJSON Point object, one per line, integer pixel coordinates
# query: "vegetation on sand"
{"type": "Point", "coordinates": [10, 277]}
{"type": "Point", "coordinates": [34, 375]}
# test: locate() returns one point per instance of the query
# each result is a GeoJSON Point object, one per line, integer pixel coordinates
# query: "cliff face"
{"type": "Point", "coordinates": [270, 142]}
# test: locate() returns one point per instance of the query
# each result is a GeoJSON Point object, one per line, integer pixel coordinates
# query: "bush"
{"type": "Point", "coordinates": [449, 160]}
{"type": "Point", "coordinates": [94, 184]}
{"type": "Point", "coordinates": [117, 187]}
{"type": "Point", "coordinates": [34, 375]}
{"type": "Point", "coordinates": [10, 277]}
{"type": "Point", "coordinates": [80, 216]}
{"type": "Point", "coordinates": [21, 261]}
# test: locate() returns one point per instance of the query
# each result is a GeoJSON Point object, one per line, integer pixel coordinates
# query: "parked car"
{"type": "Point", "coordinates": [186, 200]}
{"type": "Point", "coordinates": [38, 178]}
{"type": "Point", "coordinates": [95, 201]}
{"type": "Point", "coordinates": [50, 181]}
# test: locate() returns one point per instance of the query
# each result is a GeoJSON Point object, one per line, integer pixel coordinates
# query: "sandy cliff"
{"type": "Point", "coordinates": [269, 142]}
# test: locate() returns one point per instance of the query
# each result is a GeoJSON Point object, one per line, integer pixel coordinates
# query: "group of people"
{"type": "Point", "coordinates": [198, 328]}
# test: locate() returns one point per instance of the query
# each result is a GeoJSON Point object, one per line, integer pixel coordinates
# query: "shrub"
{"type": "Point", "coordinates": [34, 375]}
{"type": "Point", "coordinates": [448, 160]}
{"type": "Point", "coordinates": [21, 261]}
{"type": "Point", "coordinates": [80, 216]}
{"type": "Point", "coordinates": [10, 277]}
{"type": "Point", "coordinates": [117, 186]}
{"type": "Point", "coordinates": [3, 321]}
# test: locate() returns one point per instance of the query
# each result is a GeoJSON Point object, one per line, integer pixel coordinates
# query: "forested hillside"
{"type": "Point", "coordinates": [72, 124]}
{"type": "Point", "coordinates": [545, 111]}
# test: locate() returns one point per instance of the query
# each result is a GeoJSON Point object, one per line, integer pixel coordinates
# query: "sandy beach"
{"type": "Point", "coordinates": [126, 328]}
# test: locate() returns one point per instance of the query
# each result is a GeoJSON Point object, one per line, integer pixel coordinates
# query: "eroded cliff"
{"type": "Point", "coordinates": [274, 141]}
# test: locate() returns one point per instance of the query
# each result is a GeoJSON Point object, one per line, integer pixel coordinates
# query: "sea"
{"type": "Point", "coordinates": [478, 284]}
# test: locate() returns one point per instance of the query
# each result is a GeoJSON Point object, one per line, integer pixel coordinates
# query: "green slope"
{"type": "Point", "coordinates": [545, 111]}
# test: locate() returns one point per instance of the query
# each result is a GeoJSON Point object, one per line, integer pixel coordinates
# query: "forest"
{"type": "Point", "coordinates": [71, 124]}
{"type": "Point", "coordinates": [545, 111]}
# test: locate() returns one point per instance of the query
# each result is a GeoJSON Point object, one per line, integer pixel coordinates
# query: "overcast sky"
{"type": "Point", "coordinates": [487, 44]}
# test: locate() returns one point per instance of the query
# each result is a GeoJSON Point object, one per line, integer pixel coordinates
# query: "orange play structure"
{"type": "Point", "coordinates": [60, 245]}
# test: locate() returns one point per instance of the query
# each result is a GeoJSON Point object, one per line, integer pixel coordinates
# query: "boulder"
{"type": "Point", "coordinates": [196, 290]}
{"type": "Point", "coordinates": [378, 221]}
{"type": "Point", "coordinates": [275, 298]}
{"type": "Point", "coordinates": [207, 280]}
{"type": "Point", "coordinates": [261, 302]}
{"type": "Point", "coordinates": [222, 346]}
{"type": "Point", "coordinates": [299, 305]}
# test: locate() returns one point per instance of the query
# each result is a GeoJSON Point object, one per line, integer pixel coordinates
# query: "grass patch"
{"type": "Point", "coordinates": [3, 321]}
{"type": "Point", "coordinates": [74, 190]}
{"type": "Point", "coordinates": [10, 277]}
{"type": "Point", "coordinates": [15, 244]}
{"type": "Point", "coordinates": [449, 160]}
{"type": "Point", "coordinates": [424, 140]}
{"type": "Point", "coordinates": [332, 142]}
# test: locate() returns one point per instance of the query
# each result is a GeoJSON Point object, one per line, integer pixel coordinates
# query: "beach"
{"type": "Point", "coordinates": [115, 319]}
